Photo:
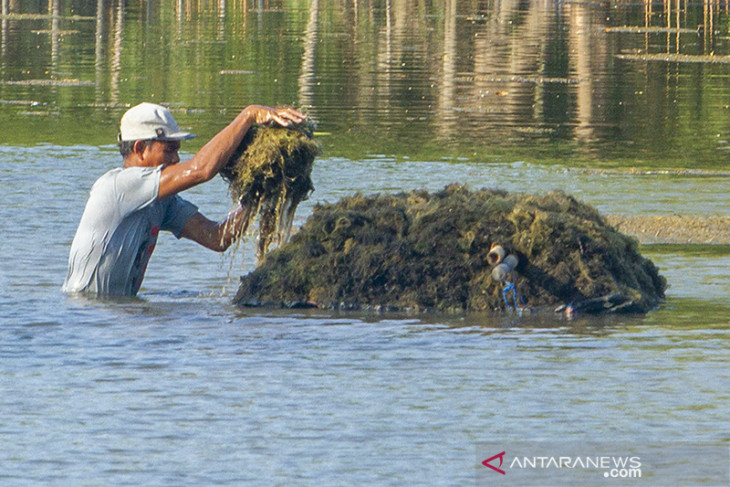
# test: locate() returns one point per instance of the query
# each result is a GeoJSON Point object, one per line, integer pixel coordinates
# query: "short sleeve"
{"type": "Point", "coordinates": [177, 214]}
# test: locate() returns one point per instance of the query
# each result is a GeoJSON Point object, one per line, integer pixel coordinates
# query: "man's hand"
{"type": "Point", "coordinates": [284, 117]}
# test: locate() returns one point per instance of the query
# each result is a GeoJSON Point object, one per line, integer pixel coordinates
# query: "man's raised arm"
{"type": "Point", "coordinates": [214, 155]}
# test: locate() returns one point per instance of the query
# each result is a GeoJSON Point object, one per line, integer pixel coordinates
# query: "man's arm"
{"type": "Point", "coordinates": [213, 155]}
{"type": "Point", "coordinates": [216, 236]}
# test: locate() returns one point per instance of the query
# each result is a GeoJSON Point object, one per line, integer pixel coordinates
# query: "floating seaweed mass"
{"type": "Point", "coordinates": [270, 174]}
{"type": "Point", "coordinates": [428, 251]}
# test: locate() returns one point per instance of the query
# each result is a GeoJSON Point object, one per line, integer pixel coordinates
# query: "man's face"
{"type": "Point", "coordinates": [162, 153]}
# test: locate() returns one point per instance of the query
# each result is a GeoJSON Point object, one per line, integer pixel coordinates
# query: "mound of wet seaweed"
{"type": "Point", "coordinates": [429, 251]}
{"type": "Point", "coordinates": [270, 174]}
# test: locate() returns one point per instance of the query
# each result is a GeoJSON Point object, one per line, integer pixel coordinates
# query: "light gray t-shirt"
{"type": "Point", "coordinates": [118, 231]}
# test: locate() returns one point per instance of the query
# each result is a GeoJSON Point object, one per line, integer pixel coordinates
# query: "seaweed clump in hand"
{"type": "Point", "coordinates": [270, 174]}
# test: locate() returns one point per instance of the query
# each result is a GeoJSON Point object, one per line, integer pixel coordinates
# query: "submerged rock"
{"type": "Point", "coordinates": [429, 251]}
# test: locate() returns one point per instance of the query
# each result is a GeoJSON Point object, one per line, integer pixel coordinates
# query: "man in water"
{"type": "Point", "coordinates": [129, 205]}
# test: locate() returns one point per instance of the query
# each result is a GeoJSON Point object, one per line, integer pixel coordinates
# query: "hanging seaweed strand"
{"type": "Point", "coordinates": [270, 174]}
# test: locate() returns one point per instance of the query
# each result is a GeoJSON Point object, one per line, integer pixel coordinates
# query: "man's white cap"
{"type": "Point", "coordinates": [150, 121]}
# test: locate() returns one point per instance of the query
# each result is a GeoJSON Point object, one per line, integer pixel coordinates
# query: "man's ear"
{"type": "Point", "coordinates": [139, 146]}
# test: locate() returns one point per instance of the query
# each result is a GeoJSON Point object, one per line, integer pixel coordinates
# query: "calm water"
{"type": "Point", "coordinates": [178, 387]}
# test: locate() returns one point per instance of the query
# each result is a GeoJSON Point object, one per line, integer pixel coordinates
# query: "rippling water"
{"type": "Point", "coordinates": [152, 398]}
{"type": "Point", "coordinates": [178, 387]}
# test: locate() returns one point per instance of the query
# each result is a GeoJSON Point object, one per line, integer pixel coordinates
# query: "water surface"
{"type": "Point", "coordinates": [178, 387]}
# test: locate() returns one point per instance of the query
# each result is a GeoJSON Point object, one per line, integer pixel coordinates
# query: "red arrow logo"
{"type": "Point", "coordinates": [496, 469]}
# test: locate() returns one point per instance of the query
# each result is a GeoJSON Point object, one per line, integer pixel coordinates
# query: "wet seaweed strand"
{"type": "Point", "coordinates": [270, 174]}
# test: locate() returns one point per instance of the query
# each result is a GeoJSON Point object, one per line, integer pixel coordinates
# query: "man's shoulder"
{"type": "Point", "coordinates": [132, 171]}
{"type": "Point", "coordinates": [114, 176]}
{"type": "Point", "coordinates": [130, 188]}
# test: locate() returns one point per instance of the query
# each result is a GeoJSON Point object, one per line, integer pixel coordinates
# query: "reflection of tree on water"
{"type": "Point", "coordinates": [448, 122]}
{"type": "Point", "coordinates": [307, 77]}
{"type": "Point", "coordinates": [5, 9]}
{"type": "Point", "coordinates": [514, 70]}
{"type": "Point", "coordinates": [116, 63]}
{"type": "Point", "coordinates": [590, 55]}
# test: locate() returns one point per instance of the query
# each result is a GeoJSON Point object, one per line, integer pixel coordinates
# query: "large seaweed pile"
{"type": "Point", "coordinates": [269, 174]}
{"type": "Point", "coordinates": [428, 251]}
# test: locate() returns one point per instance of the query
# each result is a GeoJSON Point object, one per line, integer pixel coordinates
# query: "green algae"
{"type": "Point", "coordinates": [270, 174]}
{"type": "Point", "coordinates": [428, 251]}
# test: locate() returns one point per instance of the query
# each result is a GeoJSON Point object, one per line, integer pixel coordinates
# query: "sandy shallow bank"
{"type": "Point", "coordinates": [674, 229]}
